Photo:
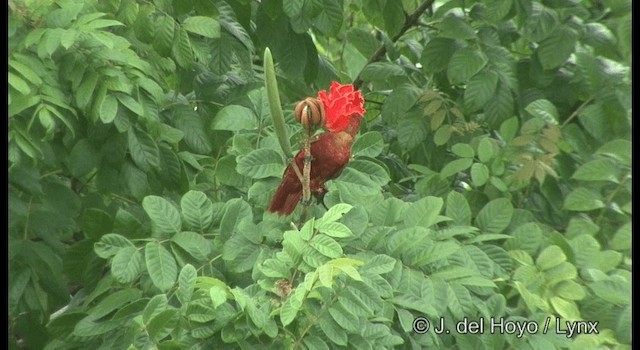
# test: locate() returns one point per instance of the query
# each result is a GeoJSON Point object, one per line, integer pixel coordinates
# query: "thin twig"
{"type": "Point", "coordinates": [306, 169]}
{"type": "Point", "coordinates": [577, 111]}
{"type": "Point", "coordinates": [409, 21]}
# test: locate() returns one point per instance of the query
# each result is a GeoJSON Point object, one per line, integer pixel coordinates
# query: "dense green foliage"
{"type": "Point", "coordinates": [491, 176]}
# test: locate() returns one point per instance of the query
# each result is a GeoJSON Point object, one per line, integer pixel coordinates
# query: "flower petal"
{"type": "Point", "coordinates": [340, 104]}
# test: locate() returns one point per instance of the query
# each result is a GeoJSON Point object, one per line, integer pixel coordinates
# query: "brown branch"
{"type": "Point", "coordinates": [306, 171]}
{"type": "Point", "coordinates": [409, 21]}
{"type": "Point", "coordinates": [306, 174]}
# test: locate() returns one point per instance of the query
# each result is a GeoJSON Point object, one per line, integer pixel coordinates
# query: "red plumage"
{"type": "Point", "coordinates": [330, 153]}
{"type": "Point", "coordinates": [343, 106]}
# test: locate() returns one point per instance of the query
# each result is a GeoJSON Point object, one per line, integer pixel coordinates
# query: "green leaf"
{"type": "Point", "coordinates": [144, 150]}
{"type": "Point", "coordinates": [379, 264]}
{"type": "Point", "coordinates": [458, 208]}
{"type": "Point", "coordinates": [372, 168]}
{"type": "Point", "coordinates": [330, 18]}
{"type": "Point", "coordinates": [459, 300]}
{"type": "Point", "coordinates": [315, 343]}
{"type": "Point", "coordinates": [288, 312]}
{"type": "Point", "coordinates": [85, 90]}
{"type": "Point", "coordinates": [465, 63]}
{"type": "Point", "coordinates": [336, 212]}
{"type": "Point", "coordinates": [108, 109]}
{"type": "Point", "coordinates": [455, 166]}
{"type": "Point", "coordinates": [570, 290]}
{"type": "Point", "coordinates": [369, 144]}
{"type": "Point", "coordinates": [485, 150]}
{"type": "Point", "coordinates": [622, 238]}
{"type": "Point", "coordinates": [96, 222]}
{"type": "Point", "coordinates": [327, 246]}
{"type": "Point", "coordinates": [235, 118]}
{"type": "Point", "coordinates": [563, 272]}
{"type": "Point", "coordinates": [597, 170]}
{"type": "Point", "coordinates": [47, 122]}
{"type": "Point", "coordinates": [344, 318]}
{"type": "Point", "coordinates": [543, 109]}
{"type": "Point", "coordinates": [437, 54]}
{"type": "Point", "coordinates": [83, 158]}
{"type": "Point", "coordinates": [275, 268]}
{"type": "Point", "coordinates": [583, 199]}
{"type": "Point", "coordinates": [557, 47]}
{"type": "Point", "coordinates": [479, 174]}
{"type": "Point", "coordinates": [424, 213]}
{"type": "Point", "coordinates": [442, 135]}
{"type": "Point", "coordinates": [194, 132]}
{"type": "Point", "coordinates": [333, 229]}
{"type": "Point", "coordinates": [412, 132]}
{"type": "Point", "coordinates": [236, 211]}
{"type": "Point", "coordinates": [102, 23]}
{"type": "Point", "coordinates": [614, 290]}
{"type": "Point", "coordinates": [161, 266]}
{"type": "Point", "coordinates": [495, 216]}
{"type": "Point", "coordinates": [618, 149]}
{"type": "Point", "coordinates": [497, 10]}
{"type": "Point", "coordinates": [540, 22]}
{"type": "Point", "coordinates": [355, 184]}
{"type": "Point", "coordinates": [228, 22]}
{"type": "Point", "coordinates": [186, 283]}
{"type": "Point", "coordinates": [550, 257]}
{"type": "Point", "coordinates": [19, 84]}
{"type": "Point", "coordinates": [195, 244]}
{"type": "Point", "coordinates": [242, 251]}
{"type": "Point", "coordinates": [114, 301]}
{"type": "Point", "coordinates": [565, 308]}
{"type": "Point", "coordinates": [110, 244]}
{"type": "Point", "coordinates": [394, 17]}
{"type": "Point", "coordinates": [381, 71]}
{"type": "Point", "coordinates": [325, 275]}
{"type": "Point", "coordinates": [454, 27]}
{"type": "Point", "coordinates": [126, 265]}
{"type": "Point", "coordinates": [623, 328]}
{"type": "Point", "coordinates": [480, 88]}
{"type": "Point", "coordinates": [332, 330]}
{"type": "Point", "coordinates": [463, 150]}
{"type": "Point", "coordinates": [591, 72]}
{"type": "Point", "coordinates": [25, 71]}
{"type": "Point", "coordinates": [437, 251]}
{"type": "Point", "coordinates": [164, 216]}
{"type": "Point", "coordinates": [130, 103]}
{"type": "Point", "coordinates": [261, 163]}
{"type": "Point", "coordinates": [500, 106]}
{"type": "Point", "coordinates": [181, 49]}
{"type": "Point", "coordinates": [88, 327]}
{"type": "Point", "coordinates": [508, 130]}
{"type": "Point", "coordinates": [162, 324]}
{"type": "Point", "coordinates": [218, 295]}
{"type": "Point", "coordinates": [593, 118]}
{"type": "Point", "coordinates": [197, 210]}
{"type": "Point", "coordinates": [205, 26]}
{"type": "Point", "coordinates": [163, 31]}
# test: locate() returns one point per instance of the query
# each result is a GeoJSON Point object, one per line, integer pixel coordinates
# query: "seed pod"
{"type": "Point", "coordinates": [310, 112]}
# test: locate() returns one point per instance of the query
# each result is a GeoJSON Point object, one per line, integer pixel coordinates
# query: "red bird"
{"type": "Point", "coordinates": [330, 152]}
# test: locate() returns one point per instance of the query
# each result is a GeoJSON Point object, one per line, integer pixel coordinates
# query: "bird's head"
{"type": "Point", "coordinates": [343, 106]}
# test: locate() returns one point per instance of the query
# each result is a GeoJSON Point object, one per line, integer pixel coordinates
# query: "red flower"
{"type": "Point", "coordinates": [341, 102]}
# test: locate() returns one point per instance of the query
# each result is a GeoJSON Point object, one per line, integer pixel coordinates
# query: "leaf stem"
{"type": "Point", "coordinates": [578, 110]}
